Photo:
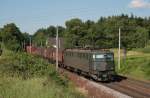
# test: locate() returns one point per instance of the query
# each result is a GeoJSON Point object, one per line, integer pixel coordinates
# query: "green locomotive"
{"type": "Point", "coordinates": [98, 64]}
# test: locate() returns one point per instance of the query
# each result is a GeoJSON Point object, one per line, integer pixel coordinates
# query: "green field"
{"type": "Point", "coordinates": [26, 76]}
{"type": "Point", "coordinates": [137, 64]}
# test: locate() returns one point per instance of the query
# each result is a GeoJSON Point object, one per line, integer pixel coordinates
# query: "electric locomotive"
{"type": "Point", "coordinates": [98, 64]}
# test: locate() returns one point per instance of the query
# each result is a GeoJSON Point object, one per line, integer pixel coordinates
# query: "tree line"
{"type": "Point", "coordinates": [12, 38]}
{"type": "Point", "coordinates": [135, 33]}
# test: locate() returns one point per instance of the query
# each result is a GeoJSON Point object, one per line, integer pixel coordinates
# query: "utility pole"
{"type": "Point", "coordinates": [57, 48]}
{"type": "Point", "coordinates": [46, 43]}
{"type": "Point", "coordinates": [119, 50]}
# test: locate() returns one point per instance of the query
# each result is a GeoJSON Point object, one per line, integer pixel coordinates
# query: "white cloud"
{"type": "Point", "coordinates": [139, 4]}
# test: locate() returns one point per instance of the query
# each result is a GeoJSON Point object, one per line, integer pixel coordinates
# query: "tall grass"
{"type": "Point", "coordinates": [136, 67]}
{"type": "Point", "coordinates": [137, 64]}
{"type": "Point", "coordinates": [27, 76]}
{"type": "Point", "coordinates": [34, 88]}
{"type": "Point", "coordinates": [144, 50]}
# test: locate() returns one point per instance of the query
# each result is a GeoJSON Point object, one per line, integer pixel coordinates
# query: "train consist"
{"type": "Point", "coordinates": [97, 64]}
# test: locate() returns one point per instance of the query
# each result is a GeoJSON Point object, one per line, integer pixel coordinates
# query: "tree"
{"type": "Point", "coordinates": [12, 37]}
{"type": "Point", "coordinates": [74, 32]}
{"type": "Point", "coordinates": [61, 31]}
{"type": "Point", "coordinates": [101, 34]}
{"type": "Point", "coordinates": [26, 37]}
{"type": "Point", "coordinates": [51, 31]}
{"type": "Point", "coordinates": [40, 37]}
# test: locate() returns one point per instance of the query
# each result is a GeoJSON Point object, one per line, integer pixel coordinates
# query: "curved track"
{"type": "Point", "coordinates": [131, 87]}
{"type": "Point", "coordinates": [128, 86]}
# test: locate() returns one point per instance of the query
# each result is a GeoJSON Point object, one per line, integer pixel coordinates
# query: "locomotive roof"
{"type": "Point", "coordinates": [89, 50]}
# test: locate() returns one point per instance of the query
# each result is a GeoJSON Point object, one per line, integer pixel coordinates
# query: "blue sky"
{"type": "Point", "coordinates": [30, 15]}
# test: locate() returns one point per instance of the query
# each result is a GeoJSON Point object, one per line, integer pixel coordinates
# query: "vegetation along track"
{"type": "Point", "coordinates": [131, 87]}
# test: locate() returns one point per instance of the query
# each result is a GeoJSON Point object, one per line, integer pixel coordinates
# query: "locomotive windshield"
{"type": "Point", "coordinates": [103, 57]}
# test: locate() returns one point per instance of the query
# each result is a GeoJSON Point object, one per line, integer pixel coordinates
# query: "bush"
{"type": "Point", "coordinates": [28, 66]}
{"type": "Point", "coordinates": [25, 76]}
{"type": "Point", "coordinates": [24, 65]}
{"type": "Point", "coordinates": [60, 80]}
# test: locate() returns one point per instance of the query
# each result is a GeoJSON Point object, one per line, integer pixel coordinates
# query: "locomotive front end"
{"type": "Point", "coordinates": [103, 65]}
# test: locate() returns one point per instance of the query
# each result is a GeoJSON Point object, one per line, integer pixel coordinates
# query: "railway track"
{"type": "Point", "coordinates": [128, 86]}
{"type": "Point", "coordinates": [131, 87]}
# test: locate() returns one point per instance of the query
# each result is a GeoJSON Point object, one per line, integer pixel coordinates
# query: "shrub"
{"type": "Point", "coordinates": [24, 65]}
{"type": "Point", "coordinates": [60, 80]}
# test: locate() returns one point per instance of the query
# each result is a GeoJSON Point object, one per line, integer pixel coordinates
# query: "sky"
{"type": "Point", "coordinates": [30, 15]}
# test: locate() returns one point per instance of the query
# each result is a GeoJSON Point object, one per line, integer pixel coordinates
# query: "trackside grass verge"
{"type": "Point", "coordinates": [26, 76]}
{"type": "Point", "coordinates": [137, 64]}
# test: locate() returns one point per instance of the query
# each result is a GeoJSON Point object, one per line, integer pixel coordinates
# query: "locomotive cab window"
{"type": "Point", "coordinates": [103, 57]}
{"type": "Point", "coordinates": [109, 57]}
{"type": "Point", "coordinates": [98, 57]}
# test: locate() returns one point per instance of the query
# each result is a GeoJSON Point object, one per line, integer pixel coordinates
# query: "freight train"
{"type": "Point", "coordinates": [97, 64]}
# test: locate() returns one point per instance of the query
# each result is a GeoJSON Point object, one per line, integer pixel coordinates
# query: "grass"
{"type": "Point", "coordinates": [27, 76]}
{"type": "Point", "coordinates": [136, 67]}
{"type": "Point", "coordinates": [34, 88]}
{"type": "Point", "coordinates": [144, 50]}
{"type": "Point", "coordinates": [137, 64]}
